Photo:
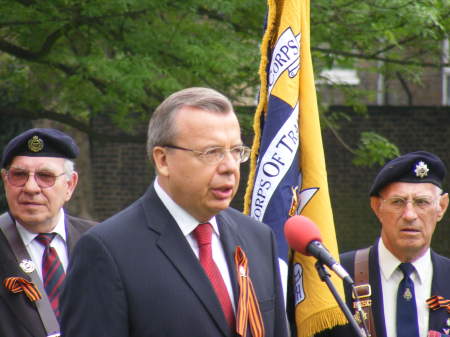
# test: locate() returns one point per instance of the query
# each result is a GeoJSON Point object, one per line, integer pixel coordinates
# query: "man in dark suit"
{"type": "Point", "coordinates": [148, 270]}
{"type": "Point", "coordinates": [39, 178]}
{"type": "Point", "coordinates": [407, 281]}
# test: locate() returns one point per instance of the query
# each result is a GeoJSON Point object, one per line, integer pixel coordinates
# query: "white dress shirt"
{"type": "Point", "coordinates": [391, 277]}
{"type": "Point", "coordinates": [187, 224]}
{"type": "Point", "coordinates": [36, 249]}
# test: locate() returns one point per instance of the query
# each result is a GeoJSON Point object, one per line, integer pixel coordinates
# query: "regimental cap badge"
{"type": "Point", "coordinates": [35, 144]}
{"type": "Point", "coordinates": [27, 266]}
{"type": "Point", "coordinates": [421, 169]}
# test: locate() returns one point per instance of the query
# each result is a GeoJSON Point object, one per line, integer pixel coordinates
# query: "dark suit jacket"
{"type": "Point", "coordinates": [136, 275]}
{"type": "Point", "coordinates": [18, 316]}
{"type": "Point", "coordinates": [440, 286]}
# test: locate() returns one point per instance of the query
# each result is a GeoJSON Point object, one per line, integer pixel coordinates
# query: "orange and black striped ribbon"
{"type": "Point", "coordinates": [19, 284]}
{"type": "Point", "coordinates": [248, 309]}
{"type": "Point", "coordinates": [437, 302]}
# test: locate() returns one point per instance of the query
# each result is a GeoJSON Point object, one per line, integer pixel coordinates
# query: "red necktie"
{"type": "Point", "coordinates": [203, 234]}
{"type": "Point", "coordinates": [52, 271]}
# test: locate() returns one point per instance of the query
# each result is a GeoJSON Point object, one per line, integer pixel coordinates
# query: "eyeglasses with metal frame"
{"type": "Point", "coordinates": [43, 179]}
{"type": "Point", "coordinates": [214, 155]}
{"type": "Point", "coordinates": [420, 203]}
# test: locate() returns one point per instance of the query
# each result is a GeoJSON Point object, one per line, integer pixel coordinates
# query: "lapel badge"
{"type": "Point", "coordinates": [27, 266]}
{"type": "Point", "coordinates": [421, 169]}
{"type": "Point", "coordinates": [448, 321]}
{"type": "Point", "coordinates": [35, 144]}
{"type": "Point", "coordinates": [407, 295]}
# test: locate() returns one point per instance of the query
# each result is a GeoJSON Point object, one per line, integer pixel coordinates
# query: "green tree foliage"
{"type": "Point", "coordinates": [121, 58]}
{"type": "Point", "coordinates": [71, 60]}
{"type": "Point", "coordinates": [402, 33]}
{"type": "Point", "coordinates": [373, 150]}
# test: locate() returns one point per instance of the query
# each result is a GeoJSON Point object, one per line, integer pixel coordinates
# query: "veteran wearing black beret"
{"type": "Point", "coordinates": [36, 236]}
{"type": "Point", "coordinates": [400, 280]}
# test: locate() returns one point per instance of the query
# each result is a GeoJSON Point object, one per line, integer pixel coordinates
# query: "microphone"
{"type": "Point", "coordinates": [303, 236]}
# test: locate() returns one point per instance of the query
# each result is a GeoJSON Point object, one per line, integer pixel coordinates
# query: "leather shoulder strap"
{"type": "Point", "coordinates": [362, 266]}
{"type": "Point", "coordinates": [43, 306]}
{"type": "Point", "coordinates": [363, 288]}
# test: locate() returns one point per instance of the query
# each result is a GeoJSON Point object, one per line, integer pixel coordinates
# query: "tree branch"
{"type": "Point", "coordinates": [378, 58]}
{"type": "Point", "coordinates": [336, 134]}
{"type": "Point", "coordinates": [405, 87]}
{"type": "Point", "coordinates": [70, 120]}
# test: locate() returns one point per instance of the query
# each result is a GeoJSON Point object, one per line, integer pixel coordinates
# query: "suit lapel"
{"type": "Point", "coordinates": [72, 234]}
{"type": "Point", "coordinates": [438, 318]}
{"type": "Point", "coordinates": [229, 238]}
{"type": "Point", "coordinates": [24, 310]}
{"type": "Point", "coordinates": [176, 248]}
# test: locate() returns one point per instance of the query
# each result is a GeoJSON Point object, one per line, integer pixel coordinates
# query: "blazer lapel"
{"type": "Point", "coordinates": [229, 238]}
{"type": "Point", "coordinates": [72, 235]}
{"type": "Point", "coordinates": [438, 319]}
{"type": "Point", "coordinates": [24, 310]}
{"type": "Point", "coordinates": [176, 248]}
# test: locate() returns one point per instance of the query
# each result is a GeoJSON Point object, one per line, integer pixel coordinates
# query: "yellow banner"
{"type": "Point", "coordinates": [287, 79]}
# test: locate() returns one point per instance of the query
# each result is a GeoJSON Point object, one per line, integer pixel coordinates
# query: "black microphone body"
{"type": "Point", "coordinates": [316, 249]}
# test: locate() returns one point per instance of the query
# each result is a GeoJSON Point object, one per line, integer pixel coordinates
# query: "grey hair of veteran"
{"type": "Point", "coordinates": [69, 168]}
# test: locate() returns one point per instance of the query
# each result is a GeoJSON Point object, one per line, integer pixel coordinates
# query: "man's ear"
{"type": "Point", "coordinates": [160, 159]}
{"type": "Point", "coordinates": [3, 175]}
{"type": "Point", "coordinates": [375, 203]}
{"type": "Point", "coordinates": [443, 204]}
{"type": "Point", "coordinates": [71, 185]}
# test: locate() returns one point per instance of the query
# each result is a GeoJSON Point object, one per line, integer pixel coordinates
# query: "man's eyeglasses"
{"type": "Point", "coordinates": [19, 178]}
{"type": "Point", "coordinates": [398, 204]}
{"type": "Point", "coordinates": [214, 155]}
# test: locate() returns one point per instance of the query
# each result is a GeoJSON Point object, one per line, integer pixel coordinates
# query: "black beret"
{"type": "Point", "coordinates": [413, 167]}
{"type": "Point", "coordinates": [40, 142]}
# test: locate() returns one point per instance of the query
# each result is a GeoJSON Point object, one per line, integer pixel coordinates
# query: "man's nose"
{"type": "Point", "coordinates": [31, 184]}
{"type": "Point", "coordinates": [229, 161]}
{"type": "Point", "coordinates": [410, 211]}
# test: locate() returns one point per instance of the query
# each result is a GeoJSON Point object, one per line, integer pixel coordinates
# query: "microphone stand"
{"type": "Point", "coordinates": [325, 277]}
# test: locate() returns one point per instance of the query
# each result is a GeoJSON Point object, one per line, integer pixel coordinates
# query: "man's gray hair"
{"type": "Point", "coordinates": [69, 168]}
{"type": "Point", "coordinates": [161, 128]}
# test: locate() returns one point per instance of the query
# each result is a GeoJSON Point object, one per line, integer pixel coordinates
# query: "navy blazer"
{"type": "Point", "coordinates": [438, 320]}
{"type": "Point", "coordinates": [136, 275]}
{"type": "Point", "coordinates": [18, 316]}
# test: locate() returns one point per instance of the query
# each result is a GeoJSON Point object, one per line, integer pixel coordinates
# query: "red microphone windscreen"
{"type": "Point", "coordinates": [299, 232]}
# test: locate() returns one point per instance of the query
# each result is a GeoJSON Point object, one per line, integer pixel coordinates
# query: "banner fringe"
{"type": "Point", "coordinates": [321, 321]}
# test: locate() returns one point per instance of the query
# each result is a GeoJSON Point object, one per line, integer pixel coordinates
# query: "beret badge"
{"type": "Point", "coordinates": [421, 169]}
{"type": "Point", "coordinates": [35, 144]}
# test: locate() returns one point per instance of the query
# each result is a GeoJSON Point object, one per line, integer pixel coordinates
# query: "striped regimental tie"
{"type": "Point", "coordinates": [52, 271]}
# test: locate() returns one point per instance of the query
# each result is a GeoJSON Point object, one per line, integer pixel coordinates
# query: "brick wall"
{"type": "Point", "coordinates": [120, 171]}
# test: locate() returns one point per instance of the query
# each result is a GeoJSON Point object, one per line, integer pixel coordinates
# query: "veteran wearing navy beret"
{"type": "Point", "coordinates": [400, 280]}
{"type": "Point", "coordinates": [37, 235]}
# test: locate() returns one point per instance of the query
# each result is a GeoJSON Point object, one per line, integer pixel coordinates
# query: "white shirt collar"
{"type": "Point", "coordinates": [389, 263]}
{"type": "Point", "coordinates": [185, 221]}
{"type": "Point", "coordinates": [28, 237]}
